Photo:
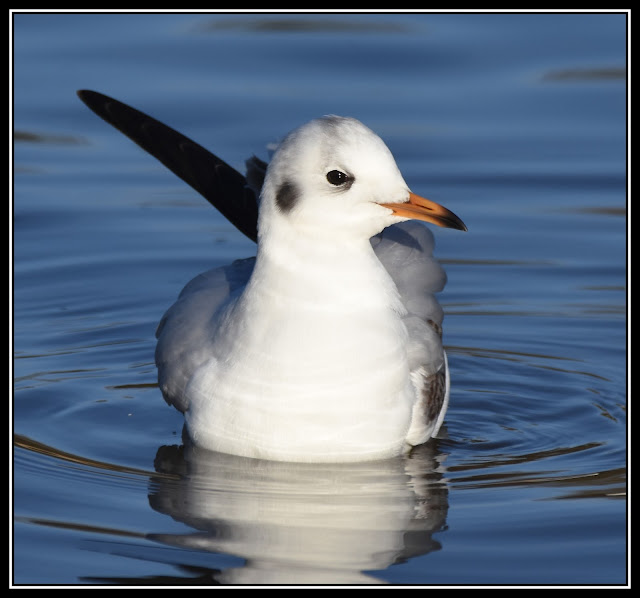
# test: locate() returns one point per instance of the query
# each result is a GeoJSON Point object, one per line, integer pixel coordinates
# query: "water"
{"type": "Point", "coordinates": [517, 122]}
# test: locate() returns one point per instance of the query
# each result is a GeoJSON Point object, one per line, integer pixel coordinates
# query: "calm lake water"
{"type": "Point", "coordinates": [516, 122]}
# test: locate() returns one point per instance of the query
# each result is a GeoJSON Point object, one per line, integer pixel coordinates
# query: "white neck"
{"type": "Point", "coordinates": [321, 267]}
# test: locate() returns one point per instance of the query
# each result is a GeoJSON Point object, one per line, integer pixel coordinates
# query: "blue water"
{"type": "Point", "coordinates": [516, 122]}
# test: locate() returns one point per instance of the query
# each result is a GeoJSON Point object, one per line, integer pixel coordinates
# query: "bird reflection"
{"type": "Point", "coordinates": [296, 523]}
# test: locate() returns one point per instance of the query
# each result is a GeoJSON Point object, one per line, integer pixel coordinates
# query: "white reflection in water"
{"type": "Point", "coordinates": [302, 523]}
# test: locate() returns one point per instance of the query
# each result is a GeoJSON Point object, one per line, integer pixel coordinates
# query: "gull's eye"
{"type": "Point", "coordinates": [337, 178]}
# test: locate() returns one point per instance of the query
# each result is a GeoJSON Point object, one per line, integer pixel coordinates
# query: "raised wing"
{"type": "Point", "coordinates": [222, 186]}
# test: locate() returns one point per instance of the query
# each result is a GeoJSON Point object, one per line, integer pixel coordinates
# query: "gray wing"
{"type": "Point", "coordinates": [406, 251]}
{"type": "Point", "coordinates": [190, 322]}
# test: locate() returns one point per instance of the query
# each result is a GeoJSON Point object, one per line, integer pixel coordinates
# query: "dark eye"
{"type": "Point", "coordinates": [336, 177]}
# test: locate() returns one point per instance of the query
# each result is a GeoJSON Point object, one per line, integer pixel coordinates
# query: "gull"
{"type": "Point", "coordinates": [327, 345]}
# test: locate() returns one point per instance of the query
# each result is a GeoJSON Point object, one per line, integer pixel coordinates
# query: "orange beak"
{"type": "Point", "coordinates": [419, 208]}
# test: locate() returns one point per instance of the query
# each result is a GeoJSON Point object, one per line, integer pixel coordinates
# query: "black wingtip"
{"type": "Point", "coordinates": [225, 188]}
{"type": "Point", "coordinates": [91, 98]}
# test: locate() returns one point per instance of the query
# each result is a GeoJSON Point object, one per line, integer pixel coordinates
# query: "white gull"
{"type": "Point", "coordinates": [327, 346]}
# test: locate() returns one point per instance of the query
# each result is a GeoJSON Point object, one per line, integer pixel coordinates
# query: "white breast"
{"type": "Point", "coordinates": [313, 366]}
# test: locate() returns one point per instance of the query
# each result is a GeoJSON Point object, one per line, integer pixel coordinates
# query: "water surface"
{"type": "Point", "coordinates": [516, 122]}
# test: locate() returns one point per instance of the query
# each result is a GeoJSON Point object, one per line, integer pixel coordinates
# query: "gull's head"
{"type": "Point", "coordinates": [335, 177]}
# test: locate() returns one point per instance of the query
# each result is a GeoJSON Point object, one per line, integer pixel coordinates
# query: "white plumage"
{"type": "Point", "coordinates": [327, 345]}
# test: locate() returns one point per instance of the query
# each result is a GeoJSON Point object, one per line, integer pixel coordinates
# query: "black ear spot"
{"type": "Point", "coordinates": [286, 196]}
